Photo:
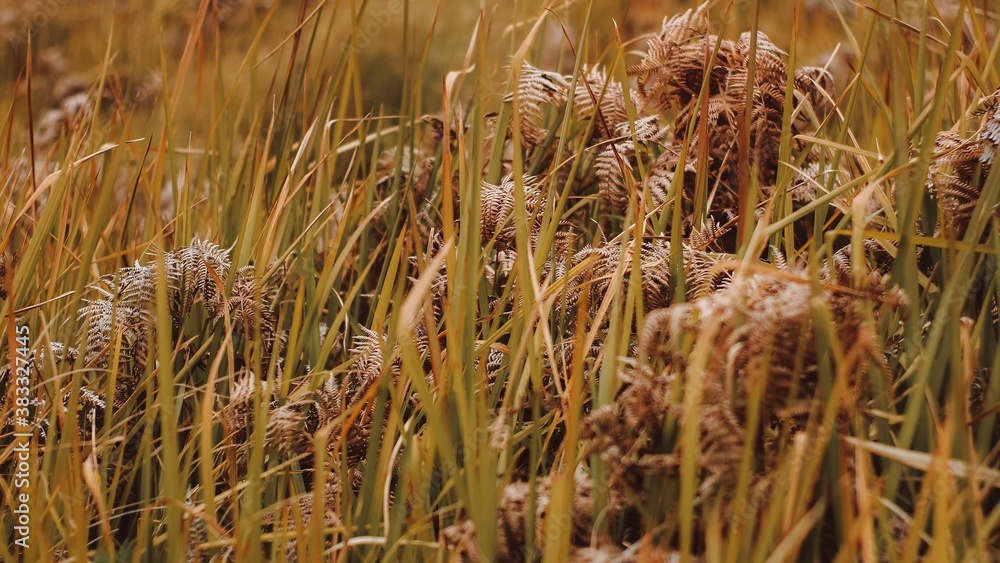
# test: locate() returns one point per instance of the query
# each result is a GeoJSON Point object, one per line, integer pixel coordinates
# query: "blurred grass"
{"type": "Point", "coordinates": [263, 133]}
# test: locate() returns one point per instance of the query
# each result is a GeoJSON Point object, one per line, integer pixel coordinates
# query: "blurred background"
{"type": "Point", "coordinates": [144, 41]}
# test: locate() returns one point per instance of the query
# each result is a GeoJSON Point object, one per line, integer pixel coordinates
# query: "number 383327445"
{"type": "Point", "coordinates": [22, 381]}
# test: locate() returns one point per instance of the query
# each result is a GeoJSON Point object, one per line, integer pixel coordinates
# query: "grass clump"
{"type": "Point", "coordinates": [701, 302]}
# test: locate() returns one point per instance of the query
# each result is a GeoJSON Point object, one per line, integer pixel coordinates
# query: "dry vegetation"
{"type": "Point", "coordinates": [701, 302]}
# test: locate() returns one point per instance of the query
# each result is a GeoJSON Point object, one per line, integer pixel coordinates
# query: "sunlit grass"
{"type": "Point", "coordinates": [374, 363]}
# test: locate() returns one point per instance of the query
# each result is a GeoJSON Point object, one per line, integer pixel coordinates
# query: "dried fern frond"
{"type": "Point", "coordinates": [91, 413]}
{"type": "Point", "coordinates": [771, 67]}
{"type": "Point", "coordinates": [615, 169]}
{"type": "Point", "coordinates": [646, 129]}
{"type": "Point", "coordinates": [235, 414]}
{"type": "Point", "coordinates": [761, 324]}
{"type": "Point", "coordinates": [536, 90]}
{"type": "Point", "coordinates": [120, 325]}
{"type": "Point", "coordinates": [286, 430]}
{"type": "Point", "coordinates": [296, 513]}
{"type": "Point", "coordinates": [497, 216]}
{"type": "Point", "coordinates": [512, 514]}
{"type": "Point", "coordinates": [670, 79]}
{"type": "Point", "coordinates": [960, 167]}
{"type": "Point", "coordinates": [989, 129]}
{"type": "Point", "coordinates": [249, 308]}
{"type": "Point", "coordinates": [126, 307]}
{"type": "Point", "coordinates": [955, 177]}
{"type": "Point", "coordinates": [106, 320]}
{"type": "Point", "coordinates": [4, 260]}
{"type": "Point", "coordinates": [766, 112]}
{"type": "Point", "coordinates": [878, 263]}
{"type": "Point", "coordinates": [661, 177]}
{"type": "Point", "coordinates": [654, 265]}
{"type": "Point", "coordinates": [708, 235]}
{"type": "Point", "coordinates": [512, 520]}
{"type": "Point", "coordinates": [654, 260]}
{"type": "Point", "coordinates": [678, 30]}
{"type": "Point", "coordinates": [628, 433]}
{"type": "Point", "coordinates": [339, 395]}
{"type": "Point", "coordinates": [366, 350]}
{"type": "Point", "coordinates": [460, 540]}
{"type": "Point", "coordinates": [671, 74]}
{"type": "Point", "coordinates": [197, 266]}
{"type": "Point", "coordinates": [675, 34]}
{"type": "Point", "coordinates": [599, 92]}
{"type": "Point", "coordinates": [765, 322]}
{"type": "Point", "coordinates": [613, 165]}
{"type": "Point", "coordinates": [497, 209]}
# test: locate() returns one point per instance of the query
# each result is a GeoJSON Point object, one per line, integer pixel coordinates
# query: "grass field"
{"type": "Point", "coordinates": [614, 281]}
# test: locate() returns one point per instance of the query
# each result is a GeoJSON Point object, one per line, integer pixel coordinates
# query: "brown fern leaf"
{"type": "Point", "coordinates": [250, 311]}
{"type": "Point", "coordinates": [197, 266]}
{"type": "Point", "coordinates": [615, 169]}
{"type": "Point", "coordinates": [91, 412]}
{"type": "Point", "coordinates": [671, 83]}
{"type": "Point", "coordinates": [654, 260]}
{"type": "Point", "coordinates": [290, 521]}
{"type": "Point", "coordinates": [989, 130]}
{"type": "Point", "coordinates": [126, 307]}
{"type": "Point", "coordinates": [497, 217]}
{"type": "Point", "coordinates": [536, 90]}
{"type": "Point", "coordinates": [613, 165]}
{"type": "Point", "coordinates": [841, 270]}
{"type": "Point", "coordinates": [960, 167]}
{"type": "Point", "coordinates": [337, 397]}
{"type": "Point", "coordinates": [761, 324]}
{"type": "Point", "coordinates": [770, 68]}
{"type": "Point", "coordinates": [597, 92]}
{"type": "Point", "coordinates": [3, 271]}
{"type": "Point", "coordinates": [497, 209]}
{"type": "Point", "coordinates": [708, 235]}
{"type": "Point", "coordinates": [670, 79]}
{"type": "Point", "coordinates": [765, 323]}
{"type": "Point", "coordinates": [286, 431]}
{"type": "Point", "coordinates": [512, 514]}
{"type": "Point", "coordinates": [282, 426]}
{"type": "Point", "coordinates": [368, 364]}
{"type": "Point", "coordinates": [106, 319]}
{"type": "Point", "coordinates": [722, 121]}
{"type": "Point", "coordinates": [513, 517]}
{"type": "Point", "coordinates": [956, 178]}
{"type": "Point", "coordinates": [235, 416]}
{"type": "Point", "coordinates": [627, 433]}
{"type": "Point", "coordinates": [661, 177]}
{"type": "Point", "coordinates": [329, 402]}
{"type": "Point", "coordinates": [678, 30]}
{"type": "Point", "coordinates": [654, 265]}
{"type": "Point", "coordinates": [667, 76]}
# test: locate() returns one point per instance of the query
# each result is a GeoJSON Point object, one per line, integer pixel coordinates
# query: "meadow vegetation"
{"type": "Point", "coordinates": [561, 293]}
